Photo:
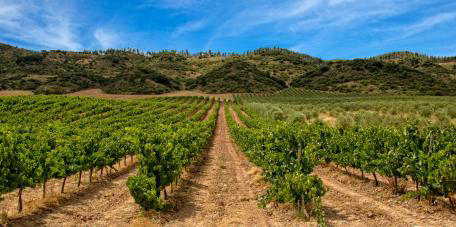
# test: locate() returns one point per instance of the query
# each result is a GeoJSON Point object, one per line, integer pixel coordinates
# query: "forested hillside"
{"type": "Point", "coordinates": [130, 71]}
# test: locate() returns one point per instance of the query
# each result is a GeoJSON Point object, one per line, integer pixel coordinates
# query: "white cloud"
{"type": "Point", "coordinates": [427, 23]}
{"type": "Point", "coordinates": [44, 24]}
{"type": "Point", "coordinates": [189, 27]}
{"type": "Point", "coordinates": [106, 39]}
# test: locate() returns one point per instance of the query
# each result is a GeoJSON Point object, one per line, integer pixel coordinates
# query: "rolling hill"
{"type": "Point", "coordinates": [130, 71]}
{"type": "Point", "coordinates": [237, 76]}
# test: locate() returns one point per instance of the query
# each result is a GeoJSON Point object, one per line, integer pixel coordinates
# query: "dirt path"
{"type": "Point", "coordinates": [221, 191]}
{"type": "Point", "coordinates": [107, 204]}
{"type": "Point", "coordinates": [357, 202]}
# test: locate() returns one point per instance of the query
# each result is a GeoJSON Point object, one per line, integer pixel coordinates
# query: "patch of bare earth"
{"type": "Point", "coordinates": [98, 93]}
{"type": "Point", "coordinates": [352, 201]}
{"type": "Point", "coordinates": [14, 93]}
{"type": "Point", "coordinates": [236, 118]}
{"type": "Point", "coordinates": [221, 190]}
{"type": "Point", "coordinates": [106, 202]}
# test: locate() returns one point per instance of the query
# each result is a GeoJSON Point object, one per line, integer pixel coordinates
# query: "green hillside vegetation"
{"type": "Point", "coordinates": [282, 63]}
{"type": "Point", "coordinates": [378, 77]}
{"type": "Point", "coordinates": [130, 71]}
{"type": "Point", "coordinates": [237, 76]}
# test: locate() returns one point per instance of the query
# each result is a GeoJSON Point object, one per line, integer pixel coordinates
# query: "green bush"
{"type": "Point", "coordinates": [144, 191]}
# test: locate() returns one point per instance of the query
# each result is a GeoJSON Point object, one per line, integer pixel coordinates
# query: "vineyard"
{"type": "Point", "coordinates": [289, 158]}
{"type": "Point", "coordinates": [396, 140]}
{"type": "Point", "coordinates": [53, 137]}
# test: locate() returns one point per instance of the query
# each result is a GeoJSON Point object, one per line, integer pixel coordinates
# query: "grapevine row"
{"type": "Point", "coordinates": [280, 150]}
{"type": "Point", "coordinates": [164, 153]}
{"type": "Point", "coordinates": [425, 154]}
{"type": "Point", "coordinates": [36, 149]}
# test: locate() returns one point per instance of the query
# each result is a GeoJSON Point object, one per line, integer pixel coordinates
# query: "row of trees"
{"type": "Point", "coordinates": [404, 54]}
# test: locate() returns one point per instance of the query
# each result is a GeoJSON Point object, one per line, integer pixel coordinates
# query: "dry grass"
{"type": "Point", "coordinates": [448, 65]}
{"type": "Point", "coordinates": [15, 93]}
{"type": "Point", "coordinates": [328, 119]}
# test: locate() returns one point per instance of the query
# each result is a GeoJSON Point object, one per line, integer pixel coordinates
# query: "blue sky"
{"type": "Point", "coordinates": [324, 28]}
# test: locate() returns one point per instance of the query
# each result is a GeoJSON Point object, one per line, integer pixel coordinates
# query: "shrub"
{"type": "Point", "coordinates": [144, 191]}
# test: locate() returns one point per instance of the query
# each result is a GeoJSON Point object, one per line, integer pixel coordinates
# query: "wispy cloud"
{"type": "Point", "coordinates": [339, 2]}
{"type": "Point", "coordinates": [344, 14]}
{"type": "Point", "coordinates": [106, 38]}
{"type": "Point", "coordinates": [315, 23]}
{"type": "Point", "coordinates": [262, 13]}
{"type": "Point", "coordinates": [427, 23]}
{"type": "Point", "coordinates": [190, 26]}
{"type": "Point", "coordinates": [269, 13]}
{"type": "Point", "coordinates": [43, 23]}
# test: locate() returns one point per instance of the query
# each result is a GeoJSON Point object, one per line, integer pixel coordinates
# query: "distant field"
{"type": "Point", "coordinates": [98, 93]}
{"type": "Point", "coordinates": [299, 105]}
